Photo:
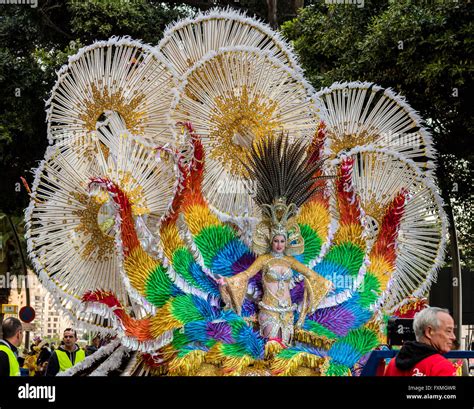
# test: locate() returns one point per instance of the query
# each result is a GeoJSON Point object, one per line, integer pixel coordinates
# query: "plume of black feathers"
{"type": "Point", "coordinates": [278, 169]}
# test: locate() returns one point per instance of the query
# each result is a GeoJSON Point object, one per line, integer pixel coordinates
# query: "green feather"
{"type": "Point", "coordinates": [288, 353]}
{"type": "Point", "coordinates": [183, 352]}
{"type": "Point", "coordinates": [336, 369]}
{"type": "Point", "coordinates": [348, 255]}
{"type": "Point", "coordinates": [370, 290]}
{"type": "Point", "coordinates": [361, 339]}
{"type": "Point", "coordinates": [319, 329]}
{"type": "Point", "coordinates": [312, 243]}
{"type": "Point", "coordinates": [179, 339]}
{"type": "Point", "coordinates": [236, 350]}
{"type": "Point", "coordinates": [236, 326]}
{"type": "Point", "coordinates": [183, 309]}
{"type": "Point", "coordinates": [210, 343]}
{"type": "Point", "coordinates": [158, 287]}
{"type": "Point", "coordinates": [212, 239]}
{"type": "Point", "coordinates": [182, 258]}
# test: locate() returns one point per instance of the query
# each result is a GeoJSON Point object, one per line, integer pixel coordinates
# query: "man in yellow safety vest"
{"type": "Point", "coordinates": [66, 355]}
{"type": "Point", "coordinates": [12, 338]}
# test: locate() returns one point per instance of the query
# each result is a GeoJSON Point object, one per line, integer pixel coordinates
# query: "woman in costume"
{"type": "Point", "coordinates": [285, 179]}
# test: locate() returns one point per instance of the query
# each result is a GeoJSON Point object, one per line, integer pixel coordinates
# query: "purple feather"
{"type": "Point", "coordinates": [297, 292]}
{"type": "Point", "coordinates": [337, 319]}
{"type": "Point", "coordinates": [243, 263]}
{"type": "Point", "coordinates": [220, 331]}
{"type": "Point", "coordinates": [249, 308]}
{"type": "Point", "coordinates": [256, 281]}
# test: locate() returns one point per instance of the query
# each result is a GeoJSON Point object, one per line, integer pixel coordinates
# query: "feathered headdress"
{"type": "Point", "coordinates": [281, 178]}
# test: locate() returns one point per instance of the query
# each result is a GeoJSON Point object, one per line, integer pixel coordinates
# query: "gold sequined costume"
{"type": "Point", "coordinates": [275, 309]}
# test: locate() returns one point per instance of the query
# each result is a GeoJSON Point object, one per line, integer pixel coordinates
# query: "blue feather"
{"type": "Point", "coordinates": [227, 256]}
{"type": "Point", "coordinates": [209, 312]}
{"type": "Point", "coordinates": [344, 354]}
{"type": "Point", "coordinates": [205, 282]}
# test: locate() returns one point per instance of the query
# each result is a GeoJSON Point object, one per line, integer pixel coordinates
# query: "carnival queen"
{"type": "Point", "coordinates": [284, 179]}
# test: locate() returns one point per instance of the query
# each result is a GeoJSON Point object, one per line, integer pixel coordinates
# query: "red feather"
{"type": "Point", "coordinates": [348, 201]}
{"type": "Point", "coordinates": [139, 329]}
{"type": "Point", "coordinates": [386, 240]}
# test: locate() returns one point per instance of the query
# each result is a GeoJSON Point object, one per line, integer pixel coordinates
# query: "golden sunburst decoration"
{"type": "Point", "coordinates": [185, 42]}
{"type": "Point", "coordinates": [71, 231]}
{"type": "Point", "coordinates": [235, 97]}
{"type": "Point", "coordinates": [362, 114]}
{"type": "Point", "coordinates": [120, 75]}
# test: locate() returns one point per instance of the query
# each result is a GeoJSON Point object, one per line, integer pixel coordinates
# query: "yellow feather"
{"type": "Point", "coordinates": [382, 269]}
{"type": "Point", "coordinates": [350, 232]}
{"type": "Point", "coordinates": [163, 321]}
{"type": "Point", "coordinates": [187, 365]}
{"type": "Point", "coordinates": [233, 366]}
{"type": "Point", "coordinates": [316, 215]}
{"type": "Point", "coordinates": [311, 338]}
{"type": "Point", "coordinates": [198, 217]}
{"type": "Point", "coordinates": [138, 265]}
{"type": "Point", "coordinates": [171, 240]}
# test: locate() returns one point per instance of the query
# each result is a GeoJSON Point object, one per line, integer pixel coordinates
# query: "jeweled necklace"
{"type": "Point", "coordinates": [277, 255]}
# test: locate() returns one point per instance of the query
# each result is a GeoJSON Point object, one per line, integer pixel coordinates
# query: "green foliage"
{"type": "Point", "coordinates": [142, 20]}
{"type": "Point", "coordinates": [421, 50]}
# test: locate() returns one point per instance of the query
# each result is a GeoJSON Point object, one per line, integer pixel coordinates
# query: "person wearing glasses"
{"type": "Point", "coordinates": [12, 338]}
{"type": "Point", "coordinates": [66, 355]}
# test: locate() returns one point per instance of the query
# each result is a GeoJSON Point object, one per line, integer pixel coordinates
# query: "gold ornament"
{"type": "Point", "coordinates": [278, 220]}
{"type": "Point", "coordinates": [239, 121]}
{"type": "Point", "coordinates": [103, 101]}
{"type": "Point", "coordinates": [96, 240]}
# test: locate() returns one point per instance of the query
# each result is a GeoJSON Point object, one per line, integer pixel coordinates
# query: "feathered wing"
{"type": "Point", "coordinates": [188, 318]}
{"type": "Point", "coordinates": [316, 217]}
{"type": "Point", "coordinates": [379, 278]}
{"type": "Point", "coordinates": [381, 137]}
{"type": "Point", "coordinates": [70, 228]}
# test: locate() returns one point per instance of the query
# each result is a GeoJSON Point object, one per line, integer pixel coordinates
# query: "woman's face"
{"type": "Point", "coordinates": [279, 243]}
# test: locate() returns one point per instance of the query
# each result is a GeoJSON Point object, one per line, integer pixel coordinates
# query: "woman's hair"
{"type": "Point", "coordinates": [279, 234]}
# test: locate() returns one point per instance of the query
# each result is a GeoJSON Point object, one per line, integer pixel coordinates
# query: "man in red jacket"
{"type": "Point", "coordinates": [434, 332]}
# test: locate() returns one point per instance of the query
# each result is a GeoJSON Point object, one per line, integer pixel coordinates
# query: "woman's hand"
{"type": "Point", "coordinates": [220, 280]}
